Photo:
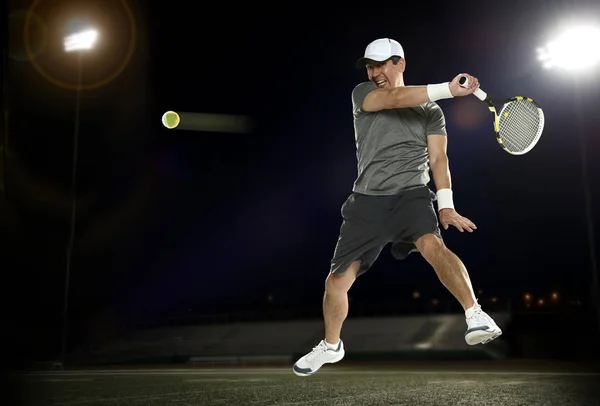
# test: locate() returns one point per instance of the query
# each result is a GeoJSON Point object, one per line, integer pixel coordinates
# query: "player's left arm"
{"type": "Point", "coordinates": [440, 170]}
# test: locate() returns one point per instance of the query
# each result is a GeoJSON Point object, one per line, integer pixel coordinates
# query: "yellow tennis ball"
{"type": "Point", "coordinates": [170, 119]}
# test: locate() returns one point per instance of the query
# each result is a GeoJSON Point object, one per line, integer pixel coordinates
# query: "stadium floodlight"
{"type": "Point", "coordinates": [575, 49]}
{"type": "Point", "coordinates": [81, 41]}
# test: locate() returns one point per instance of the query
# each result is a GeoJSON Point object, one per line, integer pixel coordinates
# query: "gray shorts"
{"type": "Point", "coordinates": [370, 222]}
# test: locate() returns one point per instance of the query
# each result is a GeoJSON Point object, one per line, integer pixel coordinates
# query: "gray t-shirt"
{"type": "Point", "coordinates": [391, 145]}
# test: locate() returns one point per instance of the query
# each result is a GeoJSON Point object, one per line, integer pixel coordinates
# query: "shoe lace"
{"type": "Point", "coordinates": [318, 350]}
{"type": "Point", "coordinates": [477, 313]}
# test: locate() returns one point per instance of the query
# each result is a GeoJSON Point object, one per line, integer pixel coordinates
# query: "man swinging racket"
{"type": "Point", "coordinates": [400, 135]}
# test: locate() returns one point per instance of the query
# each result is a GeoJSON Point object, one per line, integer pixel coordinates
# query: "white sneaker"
{"type": "Point", "coordinates": [321, 354]}
{"type": "Point", "coordinates": [481, 328]}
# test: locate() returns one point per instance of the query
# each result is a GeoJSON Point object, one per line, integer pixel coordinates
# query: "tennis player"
{"type": "Point", "coordinates": [400, 135]}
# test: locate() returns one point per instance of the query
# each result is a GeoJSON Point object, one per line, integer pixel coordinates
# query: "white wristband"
{"type": "Point", "coordinates": [444, 199]}
{"type": "Point", "coordinates": [439, 91]}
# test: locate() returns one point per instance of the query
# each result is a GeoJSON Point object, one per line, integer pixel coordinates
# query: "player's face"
{"type": "Point", "coordinates": [384, 74]}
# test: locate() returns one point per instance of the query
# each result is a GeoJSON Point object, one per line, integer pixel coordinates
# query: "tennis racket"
{"type": "Point", "coordinates": [518, 126]}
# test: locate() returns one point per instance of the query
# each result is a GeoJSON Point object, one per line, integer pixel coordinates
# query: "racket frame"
{"type": "Point", "coordinates": [491, 103]}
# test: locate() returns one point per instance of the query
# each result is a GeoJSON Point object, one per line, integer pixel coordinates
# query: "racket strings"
{"type": "Point", "coordinates": [520, 125]}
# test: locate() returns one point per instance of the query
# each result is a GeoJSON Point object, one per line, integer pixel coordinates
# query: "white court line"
{"type": "Point", "coordinates": [513, 383]}
{"type": "Point", "coordinates": [287, 371]}
{"type": "Point", "coordinates": [199, 380]}
{"type": "Point", "coordinates": [65, 380]}
{"type": "Point", "coordinates": [452, 382]}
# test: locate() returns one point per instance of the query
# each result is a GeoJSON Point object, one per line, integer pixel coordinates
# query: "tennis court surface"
{"type": "Point", "coordinates": [449, 383]}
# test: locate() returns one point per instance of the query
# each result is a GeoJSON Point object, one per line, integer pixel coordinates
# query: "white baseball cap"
{"type": "Point", "coordinates": [381, 50]}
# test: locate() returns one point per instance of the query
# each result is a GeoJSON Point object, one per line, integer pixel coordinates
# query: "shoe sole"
{"type": "Point", "coordinates": [482, 337]}
{"type": "Point", "coordinates": [313, 372]}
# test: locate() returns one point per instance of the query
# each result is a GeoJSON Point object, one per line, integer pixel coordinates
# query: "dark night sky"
{"type": "Point", "coordinates": [214, 222]}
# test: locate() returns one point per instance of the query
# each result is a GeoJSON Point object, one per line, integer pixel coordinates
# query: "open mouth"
{"type": "Point", "coordinates": [381, 82]}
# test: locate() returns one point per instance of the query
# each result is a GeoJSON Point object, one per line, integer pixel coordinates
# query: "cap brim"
{"type": "Point", "coordinates": [360, 63]}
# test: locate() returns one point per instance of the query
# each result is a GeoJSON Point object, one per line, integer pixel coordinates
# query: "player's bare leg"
{"type": "Point", "coordinates": [449, 268]}
{"type": "Point", "coordinates": [335, 301]}
{"type": "Point", "coordinates": [335, 311]}
{"type": "Point", "coordinates": [454, 276]}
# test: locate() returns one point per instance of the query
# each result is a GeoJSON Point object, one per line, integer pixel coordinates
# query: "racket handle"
{"type": "Point", "coordinates": [464, 82]}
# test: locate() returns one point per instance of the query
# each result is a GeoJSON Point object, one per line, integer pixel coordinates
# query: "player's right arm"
{"type": "Point", "coordinates": [395, 98]}
{"type": "Point", "coordinates": [413, 96]}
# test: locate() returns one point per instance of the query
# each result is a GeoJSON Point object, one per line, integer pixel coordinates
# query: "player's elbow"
{"type": "Point", "coordinates": [438, 160]}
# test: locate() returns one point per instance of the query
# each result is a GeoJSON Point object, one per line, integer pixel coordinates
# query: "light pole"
{"type": "Point", "coordinates": [575, 50]}
{"type": "Point", "coordinates": [79, 43]}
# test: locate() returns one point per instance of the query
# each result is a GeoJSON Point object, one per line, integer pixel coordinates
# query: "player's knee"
{"type": "Point", "coordinates": [430, 246]}
{"type": "Point", "coordinates": [341, 282]}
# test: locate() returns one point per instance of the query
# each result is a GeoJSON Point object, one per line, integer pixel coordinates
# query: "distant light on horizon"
{"type": "Point", "coordinates": [80, 41]}
{"type": "Point", "coordinates": [574, 49]}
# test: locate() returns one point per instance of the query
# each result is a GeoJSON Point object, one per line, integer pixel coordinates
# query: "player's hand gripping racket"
{"type": "Point", "coordinates": [519, 124]}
